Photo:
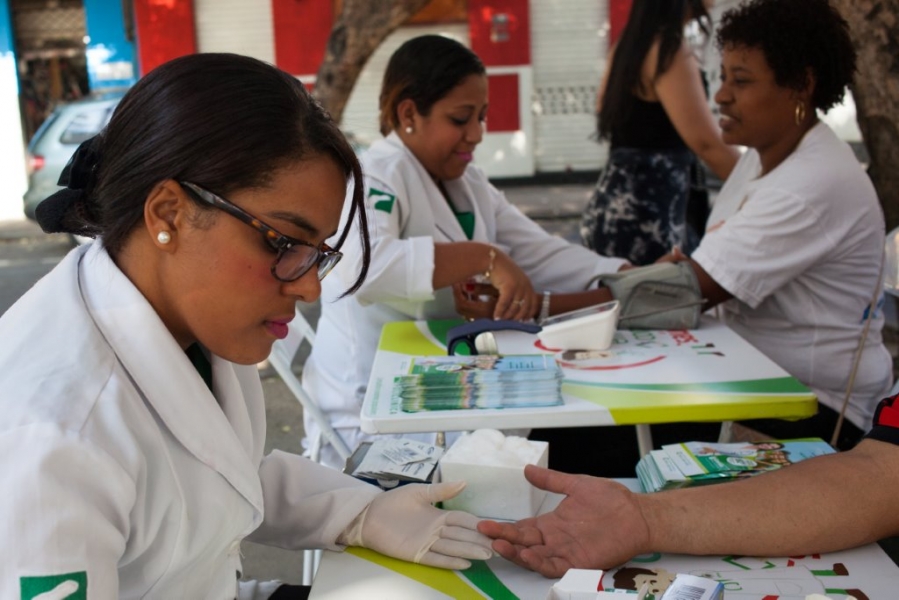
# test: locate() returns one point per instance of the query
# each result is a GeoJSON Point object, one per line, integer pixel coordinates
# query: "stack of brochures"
{"type": "Point", "coordinates": [483, 381]}
{"type": "Point", "coordinates": [700, 463]}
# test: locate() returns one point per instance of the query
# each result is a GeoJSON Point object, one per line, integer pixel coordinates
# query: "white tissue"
{"type": "Point", "coordinates": [492, 465]}
{"type": "Point", "coordinates": [491, 447]}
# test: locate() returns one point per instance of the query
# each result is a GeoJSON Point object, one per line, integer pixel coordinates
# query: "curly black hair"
{"type": "Point", "coordinates": [796, 36]}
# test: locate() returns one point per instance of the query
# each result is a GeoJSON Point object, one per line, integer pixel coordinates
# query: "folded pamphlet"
{"type": "Point", "coordinates": [399, 459]}
{"type": "Point", "coordinates": [698, 463]}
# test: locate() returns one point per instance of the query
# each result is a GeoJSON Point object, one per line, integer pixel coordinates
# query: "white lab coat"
{"type": "Point", "coordinates": [118, 463]}
{"type": "Point", "coordinates": [399, 287]}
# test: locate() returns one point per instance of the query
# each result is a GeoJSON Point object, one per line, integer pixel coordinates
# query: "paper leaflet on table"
{"type": "Point", "coordinates": [399, 458]}
{"type": "Point", "coordinates": [698, 463]}
{"type": "Point", "coordinates": [586, 584]}
{"type": "Point", "coordinates": [701, 458]}
{"type": "Point", "coordinates": [747, 578]}
{"type": "Point", "coordinates": [710, 354]}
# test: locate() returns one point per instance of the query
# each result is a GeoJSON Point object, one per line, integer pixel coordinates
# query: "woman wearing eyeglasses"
{"type": "Point", "coordinates": [436, 222]}
{"type": "Point", "coordinates": [131, 444]}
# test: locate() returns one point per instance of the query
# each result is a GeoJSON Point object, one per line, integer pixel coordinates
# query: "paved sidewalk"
{"type": "Point", "coordinates": [19, 229]}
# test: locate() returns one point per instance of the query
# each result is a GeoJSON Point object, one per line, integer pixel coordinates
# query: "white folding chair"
{"type": "Point", "coordinates": [891, 263]}
{"type": "Point", "coordinates": [284, 352]}
{"type": "Point", "coordinates": [282, 357]}
{"type": "Point", "coordinates": [891, 276]}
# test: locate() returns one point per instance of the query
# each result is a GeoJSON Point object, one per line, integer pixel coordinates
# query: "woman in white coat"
{"type": "Point", "coordinates": [132, 440]}
{"type": "Point", "coordinates": [436, 221]}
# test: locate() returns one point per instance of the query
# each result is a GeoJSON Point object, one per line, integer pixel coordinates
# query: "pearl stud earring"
{"type": "Point", "coordinates": [164, 237]}
{"type": "Point", "coordinates": [409, 129]}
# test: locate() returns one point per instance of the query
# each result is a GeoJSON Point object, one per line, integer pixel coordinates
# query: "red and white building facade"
{"type": "Point", "coordinates": [544, 61]}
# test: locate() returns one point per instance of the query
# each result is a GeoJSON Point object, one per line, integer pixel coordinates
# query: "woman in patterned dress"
{"type": "Point", "coordinates": [652, 107]}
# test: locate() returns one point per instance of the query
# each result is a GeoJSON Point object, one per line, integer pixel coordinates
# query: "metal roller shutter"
{"type": "Point", "coordinates": [568, 50]}
{"type": "Point", "coordinates": [51, 26]}
{"type": "Point", "coordinates": [239, 26]}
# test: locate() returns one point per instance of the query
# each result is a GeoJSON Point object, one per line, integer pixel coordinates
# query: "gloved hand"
{"type": "Point", "coordinates": [403, 523]}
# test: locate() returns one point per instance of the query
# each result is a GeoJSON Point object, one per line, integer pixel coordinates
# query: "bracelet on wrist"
{"type": "Point", "coordinates": [544, 307]}
{"type": "Point", "coordinates": [489, 271]}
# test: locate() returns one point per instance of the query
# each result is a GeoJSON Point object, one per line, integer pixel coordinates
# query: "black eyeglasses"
{"type": "Point", "coordinates": [295, 257]}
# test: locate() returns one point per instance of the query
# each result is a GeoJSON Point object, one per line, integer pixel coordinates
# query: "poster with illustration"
{"type": "Point", "coordinates": [835, 575]}
{"type": "Point", "coordinates": [865, 573]}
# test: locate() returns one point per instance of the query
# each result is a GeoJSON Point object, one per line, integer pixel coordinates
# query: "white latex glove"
{"type": "Point", "coordinates": [403, 523]}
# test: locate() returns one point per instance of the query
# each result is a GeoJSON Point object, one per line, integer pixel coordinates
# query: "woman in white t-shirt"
{"type": "Point", "coordinates": [795, 239]}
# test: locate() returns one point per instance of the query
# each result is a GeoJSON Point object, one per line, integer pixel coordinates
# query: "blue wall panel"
{"type": "Point", "coordinates": [12, 150]}
{"type": "Point", "coordinates": [110, 56]}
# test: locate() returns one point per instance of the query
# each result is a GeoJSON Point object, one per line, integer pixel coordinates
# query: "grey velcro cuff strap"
{"type": "Point", "coordinates": [658, 296]}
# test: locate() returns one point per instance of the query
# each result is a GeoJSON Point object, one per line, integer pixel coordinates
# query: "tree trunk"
{"type": "Point", "coordinates": [357, 33]}
{"type": "Point", "coordinates": [874, 26]}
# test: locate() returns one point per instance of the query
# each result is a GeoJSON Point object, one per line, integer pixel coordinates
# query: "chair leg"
{"type": "Point", "coordinates": [308, 566]}
{"type": "Point", "coordinates": [316, 561]}
{"type": "Point", "coordinates": [312, 558]}
{"type": "Point", "coordinates": [727, 432]}
{"type": "Point", "coordinates": [314, 451]}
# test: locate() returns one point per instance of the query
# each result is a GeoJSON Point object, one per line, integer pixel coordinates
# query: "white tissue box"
{"type": "Point", "coordinates": [494, 492]}
{"type": "Point", "coordinates": [581, 584]}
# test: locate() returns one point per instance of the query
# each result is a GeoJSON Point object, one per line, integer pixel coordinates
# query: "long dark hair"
{"type": "Point", "coordinates": [424, 69]}
{"type": "Point", "coordinates": [649, 20]}
{"type": "Point", "coordinates": [223, 121]}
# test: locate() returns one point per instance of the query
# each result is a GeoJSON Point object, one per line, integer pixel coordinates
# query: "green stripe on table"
{"type": "Point", "coordinates": [775, 385]}
{"type": "Point", "coordinates": [487, 581]}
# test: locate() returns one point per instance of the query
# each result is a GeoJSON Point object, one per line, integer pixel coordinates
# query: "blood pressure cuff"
{"type": "Point", "coordinates": [886, 421]}
{"type": "Point", "coordinates": [658, 296]}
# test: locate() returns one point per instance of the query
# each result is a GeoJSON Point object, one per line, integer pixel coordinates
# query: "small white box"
{"type": "Point", "coordinates": [494, 492]}
{"type": "Point", "coordinates": [581, 584]}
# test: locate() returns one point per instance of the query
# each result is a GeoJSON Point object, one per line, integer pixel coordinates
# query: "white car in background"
{"type": "Point", "coordinates": [58, 137]}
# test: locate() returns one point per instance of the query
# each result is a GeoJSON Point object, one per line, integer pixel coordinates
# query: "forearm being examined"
{"type": "Point", "coordinates": [819, 505]}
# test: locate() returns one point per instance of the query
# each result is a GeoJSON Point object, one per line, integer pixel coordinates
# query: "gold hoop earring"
{"type": "Point", "coordinates": [799, 114]}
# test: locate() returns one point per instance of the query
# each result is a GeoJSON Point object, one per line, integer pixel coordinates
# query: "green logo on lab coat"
{"type": "Point", "coordinates": [383, 200]}
{"type": "Point", "coordinates": [70, 586]}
